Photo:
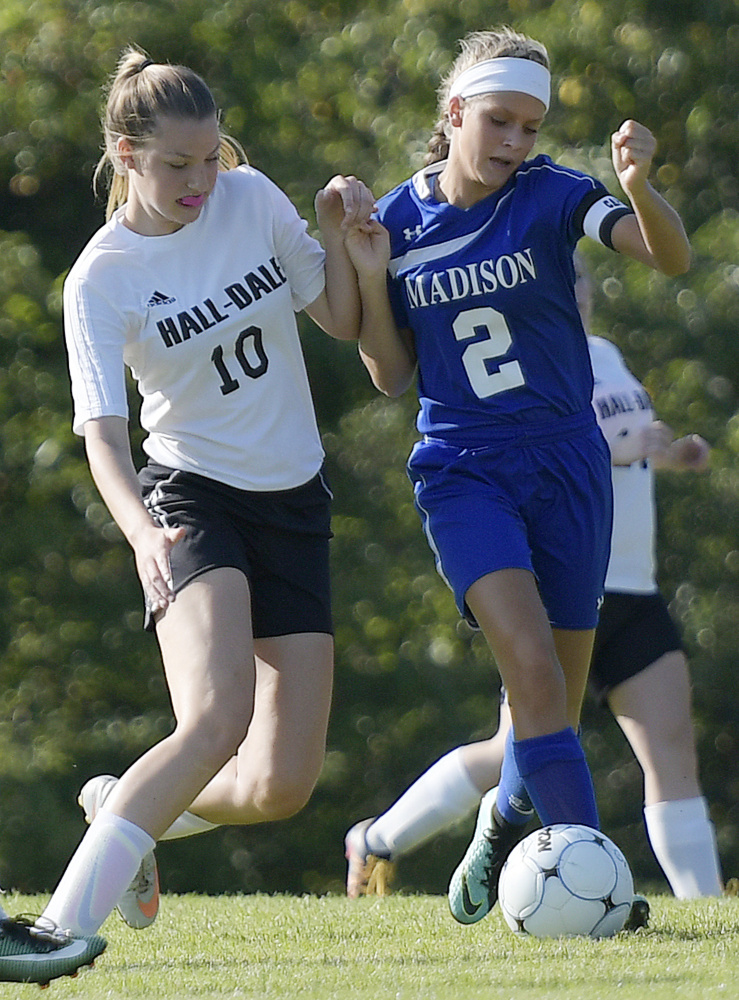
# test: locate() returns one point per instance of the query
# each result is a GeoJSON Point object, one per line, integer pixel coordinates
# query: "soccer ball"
{"type": "Point", "coordinates": [566, 880]}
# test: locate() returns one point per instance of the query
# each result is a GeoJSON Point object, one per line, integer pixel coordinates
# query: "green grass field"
{"type": "Point", "coordinates": [400, 948]}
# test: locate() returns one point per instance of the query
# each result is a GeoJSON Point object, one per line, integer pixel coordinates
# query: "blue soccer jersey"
{"type": "Point", "coordinates": [488, 293]}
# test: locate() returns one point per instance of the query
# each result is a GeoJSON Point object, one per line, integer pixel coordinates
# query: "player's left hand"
{"type": "Point", "coordinates": [343, 203]}
{"type": "Point", "coordinates": [690, 453]}
{"type": "Point", "coordinates": [632, 148]}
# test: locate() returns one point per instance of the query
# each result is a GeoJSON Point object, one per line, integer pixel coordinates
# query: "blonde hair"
{"type": "Point", "coordinates": [476, 47]}
{"type": "Point", "coordinates": [140, 91]}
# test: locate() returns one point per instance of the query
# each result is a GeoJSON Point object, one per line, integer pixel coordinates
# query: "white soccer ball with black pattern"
{"type": "Point", "coordinates": [566, 880]}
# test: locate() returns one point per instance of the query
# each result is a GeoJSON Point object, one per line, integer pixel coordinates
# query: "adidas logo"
{"type": "Point", "coordinates": [160, 299]}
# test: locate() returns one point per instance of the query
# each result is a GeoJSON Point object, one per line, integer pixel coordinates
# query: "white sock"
{"type": "Point", "coordinates": [187, 825]}
{"type": "Point", "coordinates": [441, 795]}
{"type": "Point", "coordinates": [683, 839]}
{"type": "Point", "coordinates": [100, 871]}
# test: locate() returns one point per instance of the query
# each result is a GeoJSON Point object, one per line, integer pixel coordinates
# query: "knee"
{"type": "Point", "coordinates": [282, 796]}
{"type": "Point", "coordinates": [220, 737]}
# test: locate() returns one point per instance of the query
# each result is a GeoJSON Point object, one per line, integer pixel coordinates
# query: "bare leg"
{"type": "Point", "coordinates": [574, 651]}
{"type": "Point", "coordinates": [278, 764]}
{"type": "Point", "coordinates": [205, 638]}
{"type": "Point", "coordinates": [509, 610]}
{"type": "Point", "coordinates": [206, 644]}
{"type": "Point", "coordinates": [483, 759]}
{"type": "Point", "coordinates": [543, 694]}
{"type": "Point", "coordinates": [653, 709]}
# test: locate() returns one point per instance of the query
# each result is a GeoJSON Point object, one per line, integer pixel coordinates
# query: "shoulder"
{"type": "Point", "coordinates": [607, 361]}
{"type": "Point", "coordinates": [257, 191]}
{"type": "Point", "coordinates": [108, 249]}
{"type": "Point", "coordinates": [246, 203]}
{"type": "Point", "coordinates": [247, 182]}
{"type": "Point", "coordinates": [582, 201]}
{"type": "Point", "coordinates": [599, 347]}
{"type": "Point", "coordinates": [397, 198]}
{"type": "Point", "coordinates": [403, 209]}
{"type": "Point", "coordinates": [542, 170]}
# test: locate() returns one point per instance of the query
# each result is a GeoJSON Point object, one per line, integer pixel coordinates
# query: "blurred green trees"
{"type": "Point", "coordinates": [313, 88]}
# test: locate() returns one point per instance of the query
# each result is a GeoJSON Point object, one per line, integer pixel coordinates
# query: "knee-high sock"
{"type": "Point", "coordinates": [512, 801]}
{"type": "Point", "coordinates": [187, 824]}
{"type": "Point", "coordinates": [557, 778]}
{"type": "Point", "coordinates": [683, 839]}
{"type": "Point", "coordinates": [100, 871]}
{"type": "Point", "coordinates": [440, 796]}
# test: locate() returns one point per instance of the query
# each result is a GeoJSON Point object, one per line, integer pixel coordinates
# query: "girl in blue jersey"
{"type": "Point", "coordinates": [511, 475]}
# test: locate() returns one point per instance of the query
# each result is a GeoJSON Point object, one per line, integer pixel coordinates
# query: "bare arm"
{"type": "Point", "coordinates": [655, 234]}
{"type": "Point", "coordinates": [685, 454]}
{"type": "Point", "coordinates": [387, 352]}
{"type": "Point", "coordinates": [109, 454]}
{"type": "Point", "coordinates": [658, 443]}
{"type": "Point", "coordinates": [342, 203]}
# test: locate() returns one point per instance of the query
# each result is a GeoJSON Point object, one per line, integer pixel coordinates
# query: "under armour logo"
{"type": "Point", "coordinates": [408, 234]}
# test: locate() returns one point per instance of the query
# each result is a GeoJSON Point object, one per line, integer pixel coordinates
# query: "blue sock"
{"type": "Point", "coordinates": [557, 778]}
{"type": "Point", "coordinates": [512, 800]}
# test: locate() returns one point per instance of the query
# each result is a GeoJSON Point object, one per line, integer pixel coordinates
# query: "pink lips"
{"type": "Point", "coordinates": [192, 201]}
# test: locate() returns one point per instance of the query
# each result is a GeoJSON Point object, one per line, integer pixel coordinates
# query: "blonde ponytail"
{"type": "Point", "coordinates": [139, 93]}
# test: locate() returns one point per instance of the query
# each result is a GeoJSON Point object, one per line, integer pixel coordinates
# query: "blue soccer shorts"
{"type": "Point", "coordinates": [540, 501]}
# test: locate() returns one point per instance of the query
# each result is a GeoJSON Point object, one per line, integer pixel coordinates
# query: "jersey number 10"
{"type": "Point", "coordinates": [249, 340]}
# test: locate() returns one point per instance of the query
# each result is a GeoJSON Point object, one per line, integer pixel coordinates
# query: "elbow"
{"type": "Point", "coordinates": [393, 389]}
{"type": "Point", "coordinates": [679, 260]}
{"type": "Point", "coordinates": [675, 268]}
{"type": "Point", "coordinates": [391, 371]}
{"type": "Point", "coordinates": [341, 329]}
{"type": "Point", "coordinates": [346, 334]}
{"type": "Point", "coordinates": [389, 383]}
{"type": "Point", "coordinates": [392, 384]}
{"type": "Point", "coordinates": [388, 379]}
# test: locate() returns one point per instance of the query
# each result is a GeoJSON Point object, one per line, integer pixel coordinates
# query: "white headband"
{"type": "Point", "coordinates": [524, 76]}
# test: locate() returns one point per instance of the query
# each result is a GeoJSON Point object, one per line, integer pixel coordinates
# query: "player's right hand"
{"type": "Point", "coordinates": [368, 246]}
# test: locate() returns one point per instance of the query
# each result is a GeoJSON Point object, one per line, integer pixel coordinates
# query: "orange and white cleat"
{"type": "Point", "coordinates": [367, 874]}
{"type": "Point", "coordinates": [139, 904]}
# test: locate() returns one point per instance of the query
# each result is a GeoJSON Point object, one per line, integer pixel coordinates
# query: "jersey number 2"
{"type": "Point", "coordinates": [475, 357]}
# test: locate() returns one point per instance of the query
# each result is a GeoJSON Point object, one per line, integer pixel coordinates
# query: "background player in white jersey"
{"type": "Point", "coordinates": [638, 669]}
{"type": "Point", "coordinates": [511, 476]}
{"type": "Point", "coordinates": [194, 284]}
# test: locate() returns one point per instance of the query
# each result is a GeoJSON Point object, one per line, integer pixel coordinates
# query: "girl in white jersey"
{"type": "Point", "coordinates": [639, 668]}
{"type": "Point", "coordinates": [193, 285]}
{"type": "Point", "coordinates": [511, 475]}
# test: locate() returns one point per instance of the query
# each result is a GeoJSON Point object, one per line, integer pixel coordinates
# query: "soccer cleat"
{"type": "Point", "coordinates": [139, 904]}
{"type": "Point", "coordinates": [473, 890]}
{"type": "Point", "coordinates": [37, 954]}
{"type": "Point", "coordinates": [367, 874]}
{"type": "Point", "coordinates": [638, 914]}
